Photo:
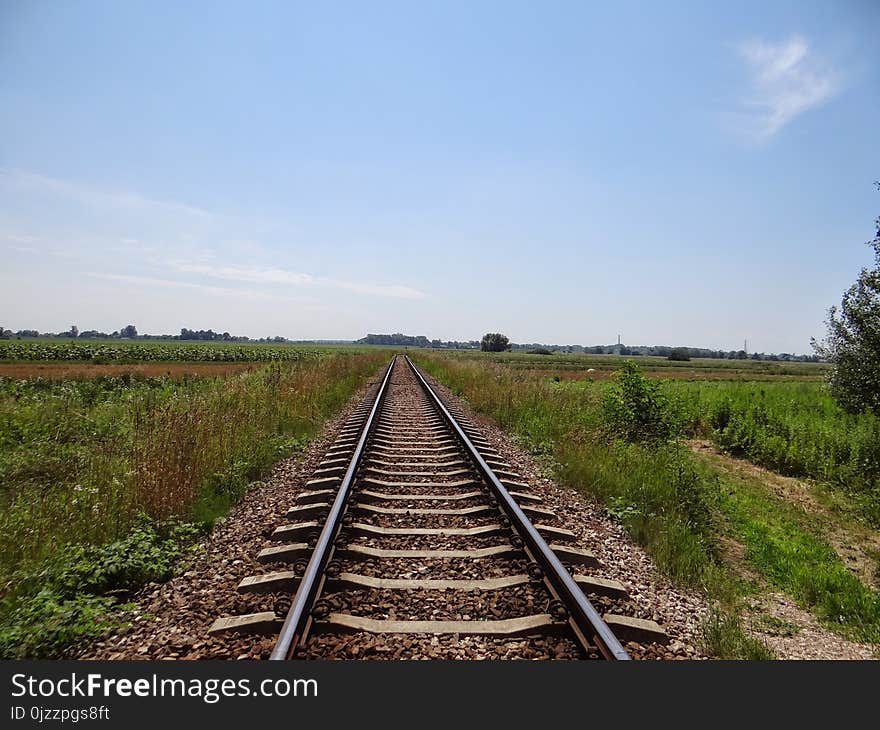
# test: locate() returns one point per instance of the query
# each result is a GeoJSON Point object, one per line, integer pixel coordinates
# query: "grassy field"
{"type": "Point", "coordinates": [574, 365]}
{"type": "Point", "coordinates": [106, 479]}
{"type": "Point", "coordinates": [623, 441]}
{"type": "Point", "coordinates": [794, 428]}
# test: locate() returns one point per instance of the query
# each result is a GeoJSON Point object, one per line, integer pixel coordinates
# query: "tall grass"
{"type": "Point", "coordinates": [655, 492]}
{"type": "Point", "coordinates": [620, 443]}
{"type": "Point", "coordinates": [794, 428]}
{"type": "Point", "coordinates": [105, 481]}
{"type": "Point", "coordinates": [81, 459]}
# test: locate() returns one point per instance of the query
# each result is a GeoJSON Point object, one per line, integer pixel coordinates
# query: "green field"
{"type": "Point", "coordinates": [794, 428]}
{"type": "Point", "coordinates": [624, 443]}
{"type": "Point", "coordinates": [698, 367]}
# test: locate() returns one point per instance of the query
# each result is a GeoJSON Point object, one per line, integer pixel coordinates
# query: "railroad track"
{"type": "Point", "coordinates": [414, 532]}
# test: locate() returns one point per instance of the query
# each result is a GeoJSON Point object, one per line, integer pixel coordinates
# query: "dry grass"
{"type": "Point", "coordinates": [81, 462]}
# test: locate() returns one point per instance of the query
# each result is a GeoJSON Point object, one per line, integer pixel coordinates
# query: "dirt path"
{"type": "Point", "coordinates": [791, 632]}
{"type": "Point", "coordinates": [857, 545]}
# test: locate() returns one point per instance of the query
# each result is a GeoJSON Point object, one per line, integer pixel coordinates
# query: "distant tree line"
{"type": "Point", "coordinates": [400, 340]}
{"type": "Point", "coordinates": [129, 332]}
{"type": "Point", "coordinates": [667, 351]}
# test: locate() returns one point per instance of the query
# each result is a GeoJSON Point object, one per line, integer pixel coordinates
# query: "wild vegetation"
{"type": "Point", "coordinates": [794, 428]}
{"type": "Point", "coordinates": [576, 365]}
{"type": "Point", "coordinates": [105, 479]}
{"type": "Point", "coordinates": [622, 442]}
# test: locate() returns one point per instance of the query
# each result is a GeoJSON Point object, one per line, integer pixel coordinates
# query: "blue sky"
{"type": "Point", "coordinates": [679, 173]}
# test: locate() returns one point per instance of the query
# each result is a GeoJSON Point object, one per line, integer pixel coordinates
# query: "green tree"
{"type": "Point", "coordinates": [494, 342]}
{"type": "Point", "coordinates": [852, 345]}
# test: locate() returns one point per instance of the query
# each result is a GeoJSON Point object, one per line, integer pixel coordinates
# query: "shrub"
{"type": "Point", "coordinates": [71, 596]}
{"type": "Point", "coordinates": [634, 407]}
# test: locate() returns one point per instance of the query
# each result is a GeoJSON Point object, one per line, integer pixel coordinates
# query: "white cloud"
{"type": "Point", "coordinates": [282, 276]}
{"type": "Point", "coordinates": [786, 80]}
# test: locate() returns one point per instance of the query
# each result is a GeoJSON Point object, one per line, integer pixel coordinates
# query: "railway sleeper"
{"type": "Point", "coordinates": [288, 581]}
{"type": "Point", "coordinates": [368, 495]}
{"type": "Point", "coordinates": [423, 444]}
{"type": "Point", "coordinates": [392, 452]}
{"type": "Point", "coordinates": [294, 551]}
{"type": "Point", "coordinates": [315, 495]}
{"type": "Point", "coordinates": [300, 529]}
{"type": "Point", "coordinates": [428, 485]}
{"type": "Point", "coordinates": [416, 464]}
{"type": "Point", "coordinates": [640, 630]}
{"type": "Point", "coordinates": [538, 624]}
{"type": "Point", "coordinates": [404, 474]}
{"type": "Point", "coordinates": [327, 463]}
{"type": "Point", "coordinates": [415, 511]}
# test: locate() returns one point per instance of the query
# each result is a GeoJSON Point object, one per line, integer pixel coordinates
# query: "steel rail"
{"type": "Point", "coordinates": [583, 615]}
{"type": "Point", "coordinates": [300, 607]}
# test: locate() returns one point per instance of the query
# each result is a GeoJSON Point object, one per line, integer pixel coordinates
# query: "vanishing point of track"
{"type": "Point", "coordinates": [413, 526]}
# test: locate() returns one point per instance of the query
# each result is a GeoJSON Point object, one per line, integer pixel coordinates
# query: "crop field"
{"type": "Point", "coordinates": [669, 457]}
{"type": "Point", "coordinates": [103, 351]}
{"type": "Point", "coordinates": [105, 479]}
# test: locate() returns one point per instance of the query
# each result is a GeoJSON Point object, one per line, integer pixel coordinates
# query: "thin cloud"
{"type": "Point", "coordinates": [293, 278]}
{"type": "Point", "coordinates": [246, 273]}
{"type": "Point", "coordinates": [94, 197]}
{"type": "Point", "coordinates": [786, 80]}
{"type": "Point", "coordinates": [219, 291]}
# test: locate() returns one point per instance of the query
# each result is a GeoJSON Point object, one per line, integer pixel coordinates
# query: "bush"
{"type": "Point", "coordinates": [71, 597]}
{"type": "Point", "coordinates": [680, 354]}
{"type": "Point", "coordinates": [539, 351]}
{"type": "Point", "coordinates": [634, 407]}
